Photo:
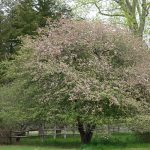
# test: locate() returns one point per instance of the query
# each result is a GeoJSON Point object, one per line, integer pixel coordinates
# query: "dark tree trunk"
{"type": "Point", "coordinates": [20, 134]}
{"type": "Point", "coordinates": [86, 132]}
{"type": "Point", "coordinates": [58, 131]}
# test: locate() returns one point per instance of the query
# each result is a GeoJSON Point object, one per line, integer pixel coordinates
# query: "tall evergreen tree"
{"type": "Point", "coordinates": [19, 18]}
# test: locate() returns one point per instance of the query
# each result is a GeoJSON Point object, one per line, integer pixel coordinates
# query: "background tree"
{"type": "Point", "coordinates": [24, 17]}
{"type": "Point", "coordinates": [134, 12]}
{"type": "Point", "coordinates": [7, 44]}
{"type": "Point", "coordinates": [53, 9]}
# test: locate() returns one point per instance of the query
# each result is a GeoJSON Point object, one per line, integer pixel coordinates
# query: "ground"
{"type": "Point", "coordinates": [57, 148]}
{"type": "Point", "coordinates": [114, 142]}
{"type": "Point", "coordinates": [30, 148]}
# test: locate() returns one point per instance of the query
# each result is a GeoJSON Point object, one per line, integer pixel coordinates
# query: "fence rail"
{"type": "Point", "coordinates": [65, 132]}
{"type": "Point", "coordinates": [15, 136]}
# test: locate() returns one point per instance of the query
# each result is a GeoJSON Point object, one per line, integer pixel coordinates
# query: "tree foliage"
{"type": "Point", "coordinates": [82, 72]}
{"type": "Point", "coordinates": [134, 12]}
{"type": "Point", "coordinates": [21, 17]}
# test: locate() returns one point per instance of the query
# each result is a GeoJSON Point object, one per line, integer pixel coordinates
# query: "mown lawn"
{"type": "Point", "coordinates": [90, 147]}
{"type": "Point", "coordinates": [22, 147]}
{"type": "Point", "coordinates": [115, 142]}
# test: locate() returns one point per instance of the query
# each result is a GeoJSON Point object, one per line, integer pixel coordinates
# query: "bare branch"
{"type": "Point", "coordinates": [105, 14]}
{"type": "Point", "coordinates": [148, 7]}
{"type": "Point", "coordinates": [117, 1]}
{"type": "Point", "coordinates": [113, 9]}
{"type": "Point", "coordinates": [128, 5]}
{"type": "Point", "coordinates": [138, 8]}
{"type": "Point", "coordinates": [134, 6]}
{"type": "Point", "coordinates": [143, 17]}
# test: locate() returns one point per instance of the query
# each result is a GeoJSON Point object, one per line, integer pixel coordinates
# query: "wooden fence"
{"type": "Point", "coordinates": [15, 136]}
{"type": "Point", "coordinates": [66, 132]}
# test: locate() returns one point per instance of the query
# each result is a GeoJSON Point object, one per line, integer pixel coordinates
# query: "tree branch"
{"type": "Point", "coordinates": [105, 14]}
{"type": "Point", "coordinates": [117, 1]}
{"type": "Point", "coordinates": [143, 17]}
{"type": "Point", "coordinates": [139, 9]}
{"type": "Point", "coordinates": [129, 5]}
{"type": "Point", "coordinates": [134, 6]}
{"type": "Point", "coordinates": [148, 7]}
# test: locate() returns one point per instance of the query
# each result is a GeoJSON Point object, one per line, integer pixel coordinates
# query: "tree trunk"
{"type": "Point", "coordinates": [86, 137]}
{"type": "Point", "coordinates": [20, 134]}
{"type": "Point", "coordinates": [86, 132]}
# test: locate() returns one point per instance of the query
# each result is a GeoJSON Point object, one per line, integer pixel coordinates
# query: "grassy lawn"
{"type": "Point", "coordinates": [115, 142]}
{"type": "Point", "coordinates": [90, 147]}
{"type": "Point", "coordinates": [18, 147]}
{"type": "Point", "coordinates": [127, 147]}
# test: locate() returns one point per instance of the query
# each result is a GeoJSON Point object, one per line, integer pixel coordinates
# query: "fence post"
{"type": "Point", "coordinates": [54, 132]}
{"type": "Point", "coordinates": [118, 128]}
{"type": "Point", "coordinates": [28, 133]}
{"type": "Point", "coordinates": [108, 128]}
{"type": "Point", "coordinates": [10, 137]}
{"type": "Point", "coordinates": [65, 132]}
{"type": "Point", "coordinates": [73, 130]}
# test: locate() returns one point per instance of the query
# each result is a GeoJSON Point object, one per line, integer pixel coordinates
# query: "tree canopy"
{"type": "Point", "coordinates": [134, 12]}
{"type": "Point", "coordinates": [82, 72]}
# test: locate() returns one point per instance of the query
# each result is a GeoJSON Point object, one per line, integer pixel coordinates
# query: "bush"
{"type": "Point", "coordinates": [140, 125]}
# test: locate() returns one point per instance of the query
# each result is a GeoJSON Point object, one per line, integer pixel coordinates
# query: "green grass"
{"type": "Point", "coordinates": [115, 142]}
{"type": "Point", "coordinates": [18, 147]}
{"type": "Point", "coordinates": [135, 147]}
{"type": "Point", "coordinates": [60, 142]}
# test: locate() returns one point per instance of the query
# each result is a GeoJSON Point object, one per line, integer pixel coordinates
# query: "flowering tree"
{"type": "Point", "coordinates": [83, 72]}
